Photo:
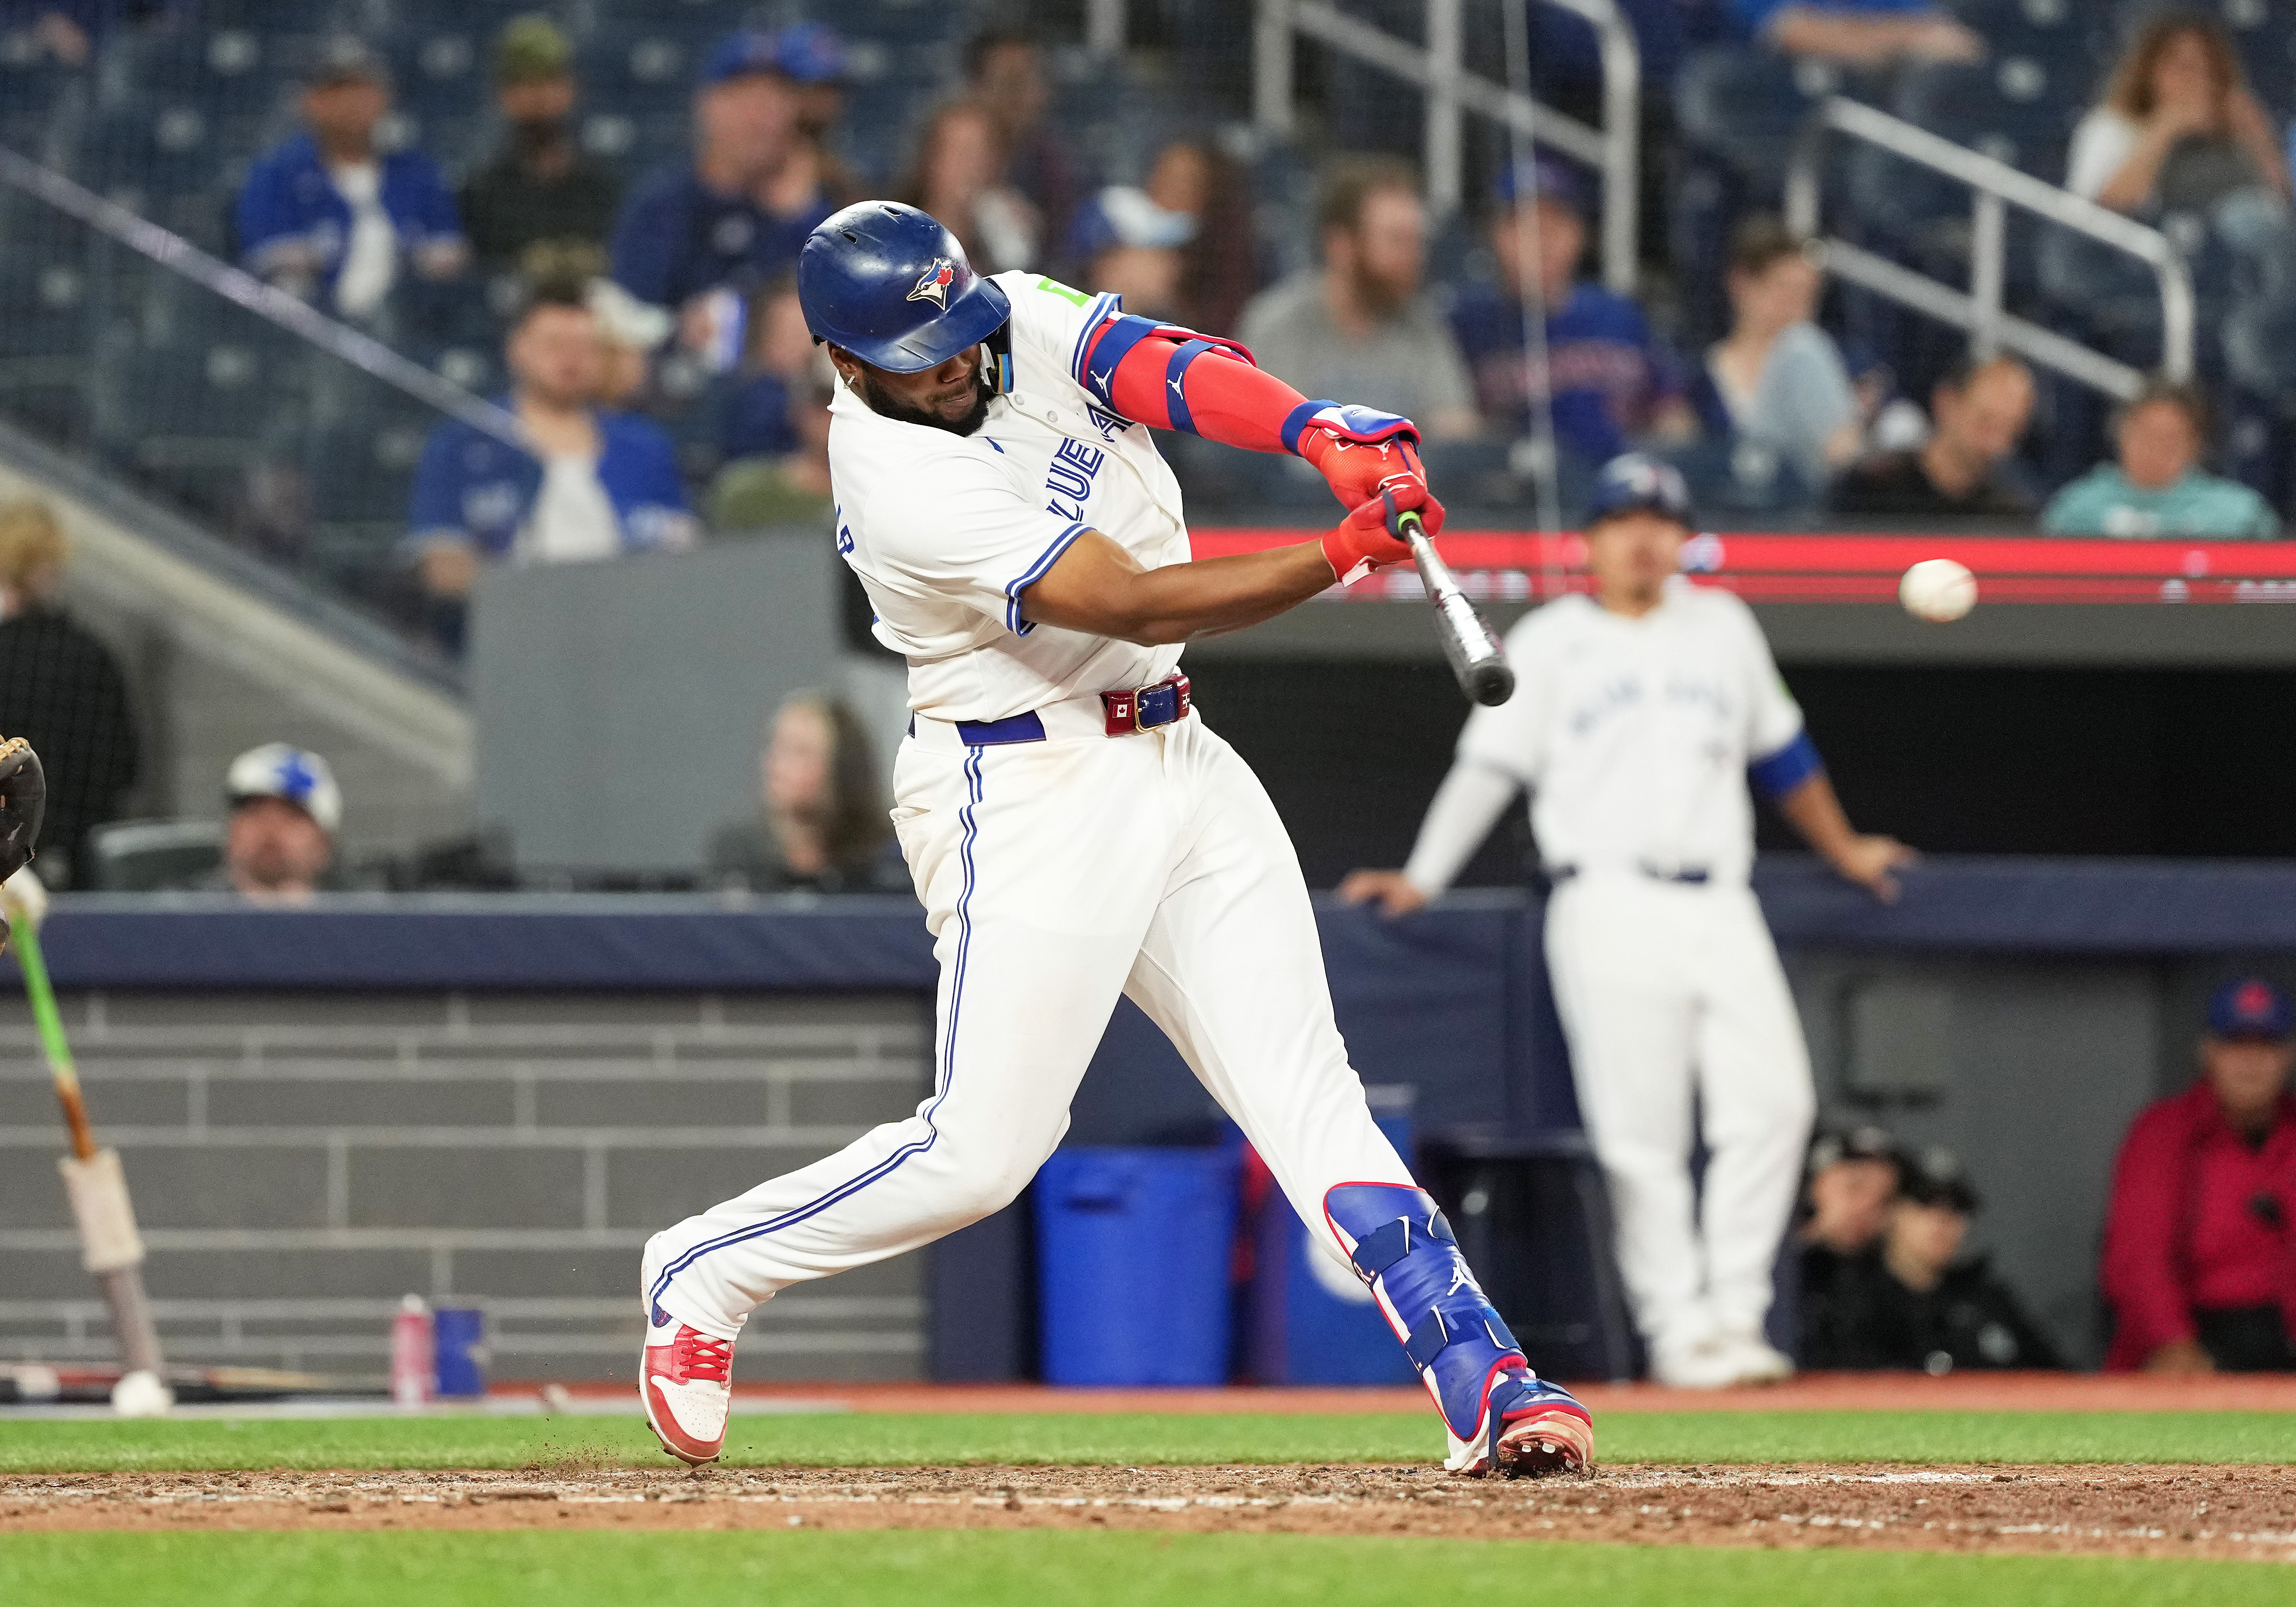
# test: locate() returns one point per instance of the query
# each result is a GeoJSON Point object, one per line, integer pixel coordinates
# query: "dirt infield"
{"type": "Point", "coordinates": [2246, 1512]}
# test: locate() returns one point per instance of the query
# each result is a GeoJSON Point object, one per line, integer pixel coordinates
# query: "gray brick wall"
{"type": "Point", "coordinates": [300, 1161]}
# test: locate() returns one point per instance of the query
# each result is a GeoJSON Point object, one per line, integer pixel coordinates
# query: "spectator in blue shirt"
{"type": "Point", "coordinates": [1859, 33]}
{"type": "Point", "coordinates": [595, 484]}
{"type": "Point", "coordinates": [327, 214]}
{"type": "Point", "coordinates": [1611, 382]}
{"type": "Point", "coordinates": [697, 236]}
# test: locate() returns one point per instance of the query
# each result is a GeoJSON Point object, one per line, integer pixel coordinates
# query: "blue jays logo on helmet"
{"type": "Point", "coordinates": [932, 284]}
{"type": "Point", "coordinates": [889, 283]}
{"type": "Point", "coordinates": [1635, 483]}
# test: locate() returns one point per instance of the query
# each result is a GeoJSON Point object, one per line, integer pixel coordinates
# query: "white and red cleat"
{"type": "Point", "coordinates": [685, 1378]}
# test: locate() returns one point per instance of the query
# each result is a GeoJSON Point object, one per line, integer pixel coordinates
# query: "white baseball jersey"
{"type": "Point", "coordinates": [947, 531]}
{"type": "Point", "coordinates": [1634, 735]}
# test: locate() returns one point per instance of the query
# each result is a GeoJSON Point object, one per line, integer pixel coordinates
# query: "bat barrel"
{"type": "Point", "coordinates": [1477, 660]}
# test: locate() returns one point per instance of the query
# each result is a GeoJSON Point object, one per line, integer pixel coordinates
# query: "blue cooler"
{"type": "Point", "coordinates": [1134, 1247]}
{"type": "Point", "coordinates": [1312, 1321]}
{"type": "Point", "coordinates": [460, 1335]}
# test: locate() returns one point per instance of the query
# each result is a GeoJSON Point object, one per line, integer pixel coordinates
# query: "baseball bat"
{"type": "Point", "coordinates": [110, 1246]}
{"type": "Point", "coordinates": [1477, 658]}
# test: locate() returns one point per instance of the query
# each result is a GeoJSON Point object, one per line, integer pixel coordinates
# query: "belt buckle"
{"type": "Point", "coordinates": [1145, 708]}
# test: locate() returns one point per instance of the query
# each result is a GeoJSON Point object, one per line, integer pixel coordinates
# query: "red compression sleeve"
{"type": "Point", "coordinates": [1228, 399]}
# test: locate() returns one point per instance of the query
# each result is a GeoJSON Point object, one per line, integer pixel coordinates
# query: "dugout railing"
{"type": "Point", "coordinates": [1996, 186]}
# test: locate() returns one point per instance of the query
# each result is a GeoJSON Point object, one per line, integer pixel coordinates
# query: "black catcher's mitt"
{"type": "Point", "coordinates": [23, 799]}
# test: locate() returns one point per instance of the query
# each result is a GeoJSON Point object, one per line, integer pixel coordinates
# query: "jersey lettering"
{"type": "Point", "coordinates": [1070, 474]}
{"type": "Point", "coordinates": [1055, 287]}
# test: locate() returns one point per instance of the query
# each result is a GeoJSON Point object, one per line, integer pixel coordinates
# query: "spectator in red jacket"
{"type": "Point", "coordinates": [2200, 1264]}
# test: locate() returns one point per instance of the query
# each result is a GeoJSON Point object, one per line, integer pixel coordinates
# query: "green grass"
{"type": "Point", "coordinates": [1136, 1439]}
{"type": "Point", "coordinates": [996, 1568]}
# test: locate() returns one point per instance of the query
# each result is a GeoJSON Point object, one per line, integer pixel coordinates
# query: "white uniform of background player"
{"type": "Point", "coordinates": [1060, 867]}
{"type": "Point", "coordinates": [1633, 735]}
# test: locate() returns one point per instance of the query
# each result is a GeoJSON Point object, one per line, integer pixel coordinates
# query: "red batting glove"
{"type": "Point", "coordinates": [1361, 544]}
{"type": "Point", "coordinates": [1359, 452]}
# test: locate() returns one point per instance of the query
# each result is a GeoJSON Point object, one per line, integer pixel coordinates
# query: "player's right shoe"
{"type": "Point", "coordinates": [685, 1380]}
{"type": "Point", "coordinates": [1500, 1416]}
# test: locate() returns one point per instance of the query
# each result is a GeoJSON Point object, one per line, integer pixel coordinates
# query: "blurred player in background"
{"type": "Point", "coordinates": [1639, 713]}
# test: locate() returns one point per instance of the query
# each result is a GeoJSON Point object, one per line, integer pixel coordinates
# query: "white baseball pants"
{"type": "Point", "coordinates": [1055, 875]}
{"type": "Point", "coordinates": [1666, 989]}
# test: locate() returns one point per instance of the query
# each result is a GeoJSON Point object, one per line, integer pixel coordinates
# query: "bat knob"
{"type": "Point", "coordinates": [1491, 683]}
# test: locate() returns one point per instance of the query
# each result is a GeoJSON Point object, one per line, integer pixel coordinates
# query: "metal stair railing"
{"type": "Point", "coordinates": [1452, 92]}
{"type": "Point", "coordinates": [1997, 187]}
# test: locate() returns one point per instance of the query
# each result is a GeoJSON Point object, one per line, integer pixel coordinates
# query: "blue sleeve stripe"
{"type": "Point", "coordinates": [1094, 317]}
{"type": "Point", "coordinates": [1126, 330]}
{"type": "Point", "coordinates": [1035, 572]}
{"type": "Point", "coordinates": [1297, 420]}
{"type": "Point", "coordinates": [1176, 399]}
{"type": "Point", "coordinates": [1778, 773]}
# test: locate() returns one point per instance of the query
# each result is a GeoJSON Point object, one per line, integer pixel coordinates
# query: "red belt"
{"type": "Point", "coordinates": [1147, 707]}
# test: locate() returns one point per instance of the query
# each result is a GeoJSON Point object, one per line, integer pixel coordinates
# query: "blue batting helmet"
{"type": "Point", "coordinates": [890, 284]}
{"type": "Point", "coordinates": [1635, 483]}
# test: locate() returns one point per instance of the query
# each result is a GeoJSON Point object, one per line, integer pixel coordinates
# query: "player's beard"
{"type": "Point", "coordinates": [885, 406]}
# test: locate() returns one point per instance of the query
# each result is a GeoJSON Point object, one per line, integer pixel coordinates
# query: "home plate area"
{"type": "Point", "coordinates": [2243, 1512]}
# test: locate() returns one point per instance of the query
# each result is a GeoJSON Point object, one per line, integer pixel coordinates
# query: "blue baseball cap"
{"type": "Point", "coordinates": [811, 52]}
{"type": "Point", "coordinates": [1545, 177]}
{"type": "Point", "coordinates": [1634, 482]}
{"type": "Point", "coordinates": [737, 55]}
{"type": "Point", "coordinates": [2251, 1007]}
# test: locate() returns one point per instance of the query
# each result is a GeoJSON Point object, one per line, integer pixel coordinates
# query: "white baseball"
{"type": "Point", "coordinates": [1939, 590]}
{"type": "Point", "coordinates": [140, 1394]}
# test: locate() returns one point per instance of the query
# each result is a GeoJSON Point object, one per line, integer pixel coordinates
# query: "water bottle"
{"type": "Point", "coordinates": [413, 1379]}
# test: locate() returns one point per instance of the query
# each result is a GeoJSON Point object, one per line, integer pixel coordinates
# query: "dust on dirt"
{"type": "Point", "coordinates": [2153, 1511]}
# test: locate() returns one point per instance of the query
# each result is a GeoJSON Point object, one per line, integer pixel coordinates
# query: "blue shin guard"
{"type": "Point", "coordinates": [1501, 1416]}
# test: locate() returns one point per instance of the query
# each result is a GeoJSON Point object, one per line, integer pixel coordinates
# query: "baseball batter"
{"type": "Point", "coordinates": [1639, 715]}
{"type": "Point", "coordinates": [1074, 829]}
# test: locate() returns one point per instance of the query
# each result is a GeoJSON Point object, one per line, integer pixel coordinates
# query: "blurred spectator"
{"type": "Point", "coordinates": [597, 484]}
{"type": "Point", "coordinates": [1004, 76]}
{"type": "Point", "coordinates": [2178, 128]}
{"type": "Point", "coordinates": [822, 823]}
{"type": "Point", "coordinates": [791, 487]}
{"type": "Point", "coordinates": [1859, 33]}
{"type": "Point", "coordinates": [779, 362]}
{"type": "Point", "coordinates": [1979, 411]}
{"type": "Point", "coordinates": [67, 31]}
{"type": "Point", "coordinates": [812, 55]}
{"type": "Point", "coordinates": [2199, 1267]}
{"type": "Point", "coordinates": [628, 330]}
{"type": "Point", "coordinates": [540, 188]}
{"type": "Point", "coordinates": [279, 843]}
{"type": "Point", "coordinates": [1777, 379]}
{"type": "Point", "coordinates": [737, 213]}
{"type": "Point", "coordinates": [328, 215]}
{"type": "Point", "coordinates": [1130, 245]}
{"type": "Point", "coordinates": [1359, 328]}
{"type": "Point", "coordinates": [1219, 265]}
{"type": "Point", "coordinates": [1913, 1301]}
{"type": "Point", "coordinates": [2180, 141]}
{"type": "Point", "coordinates": [2158, 487]}
{"type": "Point", "coordinates": [1609, 382]}
{"type": "Point", "coordinates": [61, 691]}
{"type": "Point", "coordinates": [954, 174]}
{"type": "Point", "coordinates": [1852, 1181]}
